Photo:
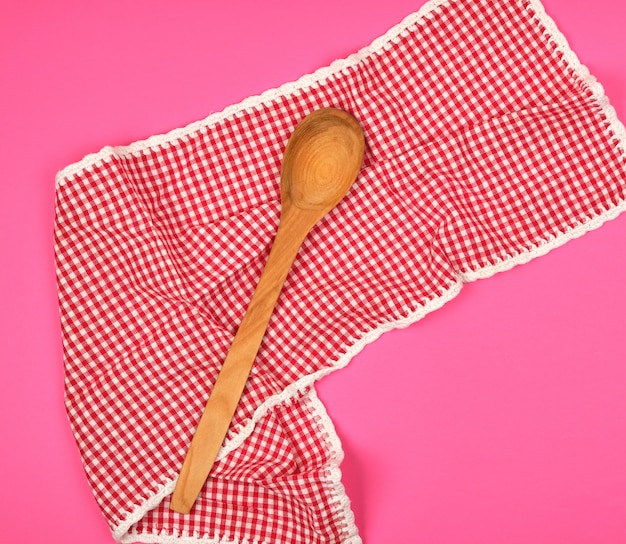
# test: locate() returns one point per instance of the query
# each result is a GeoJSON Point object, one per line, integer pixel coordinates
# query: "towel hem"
{"type": "Point", "coordinates": [252, 102]}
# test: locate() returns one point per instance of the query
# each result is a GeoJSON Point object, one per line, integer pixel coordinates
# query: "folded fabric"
{"type": "Point", "coordinates": [488, 144]}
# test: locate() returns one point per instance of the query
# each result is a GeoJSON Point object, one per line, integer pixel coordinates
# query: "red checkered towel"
{"type": "Point", "coordinates": [487, 144]}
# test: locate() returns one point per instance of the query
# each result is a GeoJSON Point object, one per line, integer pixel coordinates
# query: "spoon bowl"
{"type": "Point", "coordinates": [322, 160]}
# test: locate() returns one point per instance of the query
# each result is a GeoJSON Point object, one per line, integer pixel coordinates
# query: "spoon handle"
{"type": "Point", "coordinates": [231, 381]}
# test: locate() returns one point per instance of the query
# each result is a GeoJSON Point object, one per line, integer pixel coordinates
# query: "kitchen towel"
{"type": "Point", "coordinates": [488, 144]}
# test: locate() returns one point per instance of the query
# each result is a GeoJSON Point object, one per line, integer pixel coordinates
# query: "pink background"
{"type": "Point", "coordinates": [500, 419]}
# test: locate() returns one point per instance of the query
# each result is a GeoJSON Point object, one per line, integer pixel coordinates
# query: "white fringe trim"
{"type": "Point", "coordinates": [252, 102]}
{"type": "Point", "coordinates": [571, 59]}
{"type": "Point", "coordinates": [165, 538]}
{"type": "Point", "coordinates": [120, 533]}
{"type": "Point", "coordinates": [614, 126]}
{"type": "Point", "coordinates": [340, 503]}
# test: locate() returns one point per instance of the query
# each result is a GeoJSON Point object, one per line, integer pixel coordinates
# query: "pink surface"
{"type": "Point", "coordinates": [501, 418]}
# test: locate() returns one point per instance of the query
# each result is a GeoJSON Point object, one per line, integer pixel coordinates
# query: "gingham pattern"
{"type": "Point", "coordinates": [285, 466]}
{"type": "Point", "coordinates": [484, 143]}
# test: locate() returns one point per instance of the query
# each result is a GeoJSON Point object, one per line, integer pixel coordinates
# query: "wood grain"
{"type": "Point", "coordinates": [321, 161]}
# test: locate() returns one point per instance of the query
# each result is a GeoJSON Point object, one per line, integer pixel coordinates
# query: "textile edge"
{"type": "Point", "coordinates": [251, 102]}
{"type": "Point", "coordinates": [616, 130]}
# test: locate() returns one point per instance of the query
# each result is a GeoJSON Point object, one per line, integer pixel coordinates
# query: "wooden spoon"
{"type": "Point", "coordinates": [321, 161]}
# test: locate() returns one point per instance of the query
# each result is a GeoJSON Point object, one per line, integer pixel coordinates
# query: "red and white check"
{"type": "Point", "coordinates": [488, 144]}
